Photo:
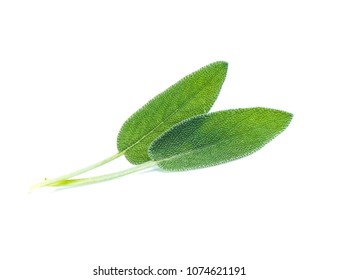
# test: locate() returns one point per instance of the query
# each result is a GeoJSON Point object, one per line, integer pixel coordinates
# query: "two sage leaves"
{"type": "Point", "coordinates": [175, 131]}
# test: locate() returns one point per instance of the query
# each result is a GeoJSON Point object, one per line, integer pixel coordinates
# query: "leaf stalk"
{"type": "Point", "coordinates": [103, 178]}
{"type": "Point", "coordinates": [75, 173]}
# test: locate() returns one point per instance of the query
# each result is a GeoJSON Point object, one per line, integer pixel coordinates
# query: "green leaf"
{"type": "Point", "coordinates": [216, 138]}
{"type": "Point", "coordinates": [193, 95]}
{"type": "Point", "coordinates": [206, 140]}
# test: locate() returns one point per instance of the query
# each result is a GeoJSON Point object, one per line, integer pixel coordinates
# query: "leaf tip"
{"type": "Point", "coordinates": [222, 64]}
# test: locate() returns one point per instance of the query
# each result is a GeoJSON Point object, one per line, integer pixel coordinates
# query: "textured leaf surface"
{"type": "Point", "coordinates": [193, 95]}
{"type": "Point", "coordinates": [216, 138]}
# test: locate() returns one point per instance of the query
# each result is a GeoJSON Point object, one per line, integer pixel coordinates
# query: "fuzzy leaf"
{"type": "Point", "coordinates": [216, 138]}
{"type": "Point", "coordinates": [193, 95]}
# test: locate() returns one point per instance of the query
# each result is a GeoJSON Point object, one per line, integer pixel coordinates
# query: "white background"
{"type": "Point", "coordinates": [71, 72]}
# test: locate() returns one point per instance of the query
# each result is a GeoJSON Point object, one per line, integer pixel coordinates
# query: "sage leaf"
{"type": "Point", "coordinates": [216, 138]}
{"type": "Point", "coordinates": [206, 140]}
{"type": "Point", "coordinates": [192, 95]}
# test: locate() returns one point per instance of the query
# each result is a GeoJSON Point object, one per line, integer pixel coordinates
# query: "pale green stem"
{"type": "Point", "coordinates": [75, 173]}
{"type": "Point", "coordinates": [102, 178]}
